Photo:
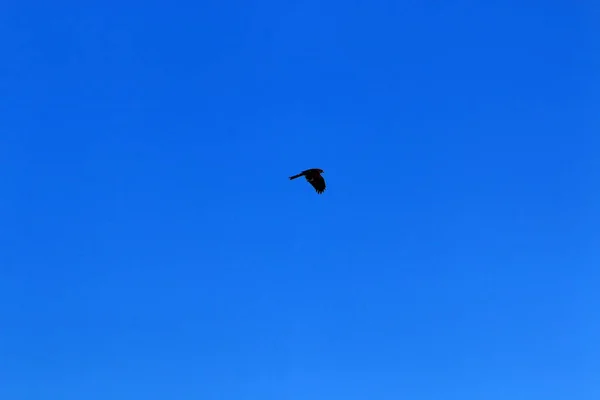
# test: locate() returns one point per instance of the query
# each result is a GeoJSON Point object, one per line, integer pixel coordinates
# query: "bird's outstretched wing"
{"type": "Point", "coordinates": [317, 181]}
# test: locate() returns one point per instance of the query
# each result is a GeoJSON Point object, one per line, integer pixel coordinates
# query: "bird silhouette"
{"type": "Point", "coordinates": [313, 176]}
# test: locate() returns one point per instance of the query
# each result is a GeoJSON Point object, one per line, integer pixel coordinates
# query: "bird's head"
{"type": "Point", "coordinates": [320, 171]}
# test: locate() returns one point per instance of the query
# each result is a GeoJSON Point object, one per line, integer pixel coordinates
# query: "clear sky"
{"type": "Point", "coordinates": [152, 246]}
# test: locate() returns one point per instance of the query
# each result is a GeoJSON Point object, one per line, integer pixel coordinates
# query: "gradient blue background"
{"type": "Point", "coordinates": [152, 246]}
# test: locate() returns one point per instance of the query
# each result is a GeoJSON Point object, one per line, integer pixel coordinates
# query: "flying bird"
{"type": "Point", "coordinates": [313, 176]}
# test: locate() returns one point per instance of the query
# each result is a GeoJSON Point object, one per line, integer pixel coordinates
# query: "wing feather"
{"type": "Point", "coordinates": [317, 182]}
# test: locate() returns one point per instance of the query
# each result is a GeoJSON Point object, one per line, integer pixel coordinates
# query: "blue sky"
{"type": "Point", "coordinates": [153, 247]}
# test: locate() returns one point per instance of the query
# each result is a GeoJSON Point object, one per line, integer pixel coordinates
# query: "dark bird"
{"type": "Point", "coordinates": [313, 176]}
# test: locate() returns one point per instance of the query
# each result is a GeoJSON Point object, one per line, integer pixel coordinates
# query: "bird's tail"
{"type": "Point", "coordinates": [295, 176]}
